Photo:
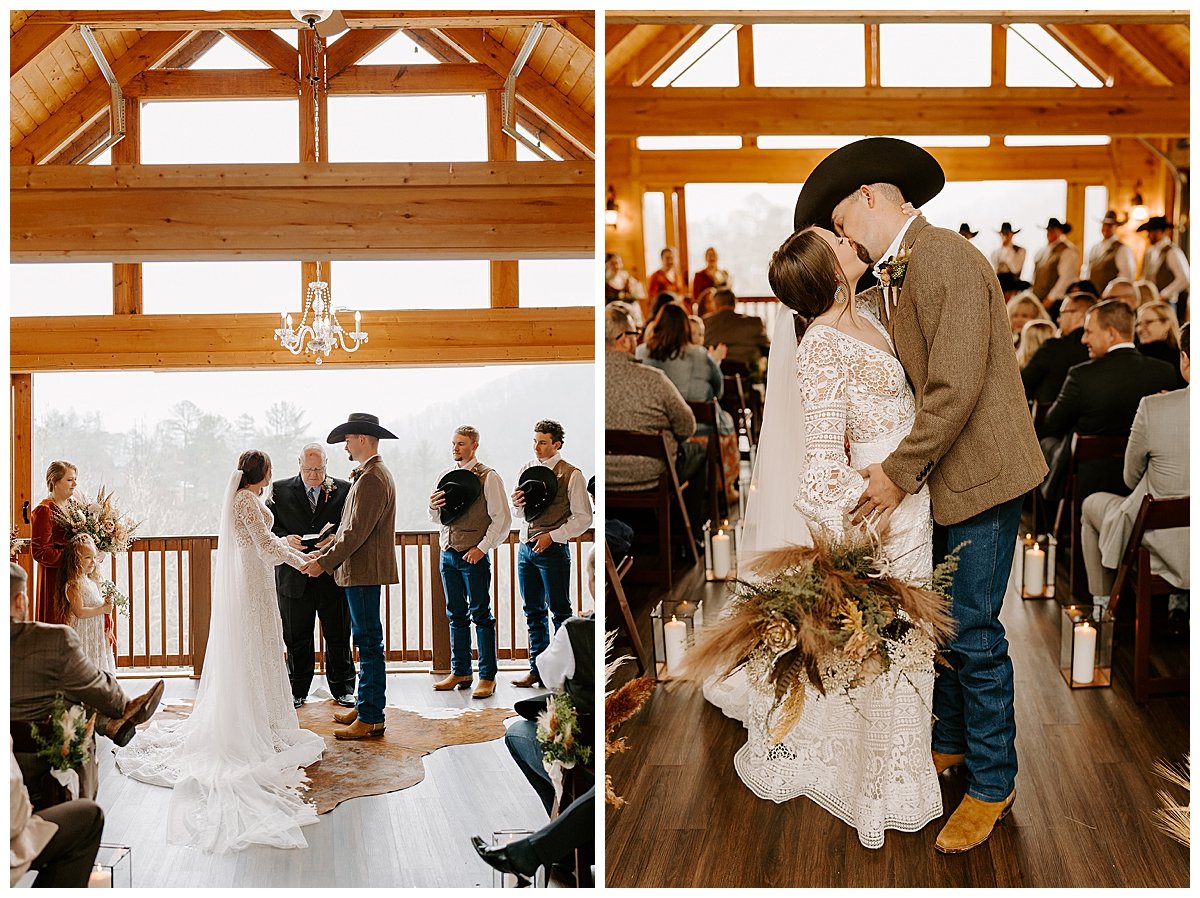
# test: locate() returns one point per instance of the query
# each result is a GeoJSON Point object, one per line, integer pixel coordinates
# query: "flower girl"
{"type": "Point", "coordinates": [80, 602]}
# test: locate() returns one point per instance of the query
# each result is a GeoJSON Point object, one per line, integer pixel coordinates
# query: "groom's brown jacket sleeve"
{"type": "Point", "coordinates": [364, 551]}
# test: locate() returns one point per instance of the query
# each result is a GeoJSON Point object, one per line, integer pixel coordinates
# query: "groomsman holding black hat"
{"type": "Point", "coordinates": [1009, 258]}
{"type": "Point", "coordinates": [552, 500]}
{"type": "Point", "coordinates": [468, 502]}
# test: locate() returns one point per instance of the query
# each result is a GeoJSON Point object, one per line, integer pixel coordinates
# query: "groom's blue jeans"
{"type": "Point", "coordinates": [973, 702]}
{"type": "Point", "coordinates": [367, 631]}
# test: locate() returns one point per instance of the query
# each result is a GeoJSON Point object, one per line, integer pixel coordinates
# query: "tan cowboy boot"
{"type": "Point", "coordinates": [360, 730]}
{"type": "Point", "coordinates": [453, 682]}
{"type": "Point", "coordinates": [345, 717]}
{"type": "Point", "coordinates": [484, 689]}
{"type": "Point", "coordinates": [972, 823]}
{"type": "Point", "coordinates": [943, 762]}
{"type": "Point", "coordinates": [530, 679]}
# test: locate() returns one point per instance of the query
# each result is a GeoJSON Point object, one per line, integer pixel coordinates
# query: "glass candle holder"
{"type": "Point", "coordinates": [1085, 647]}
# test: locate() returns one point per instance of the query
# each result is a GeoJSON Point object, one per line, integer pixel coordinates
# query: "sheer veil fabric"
{"type": "Point", "coordinates": [236, 764]}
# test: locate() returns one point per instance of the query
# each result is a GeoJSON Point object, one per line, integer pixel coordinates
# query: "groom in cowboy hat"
{"type": "Point", "coordinates": [362, 558]}
{"type": "Point", "coordinates": [946, 315]}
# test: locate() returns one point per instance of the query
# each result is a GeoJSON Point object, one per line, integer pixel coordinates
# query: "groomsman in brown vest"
{"type": "Point", "coordinates": [552, 500]}
{"type": "Point", "coordinates": [1111, 258]}
{"type": "Point", "coordinates": [469, 505]}
{"type": "Point", "coordinates": [1165, 265]}
{"type": "Point", "coordinates": [1056, 265]}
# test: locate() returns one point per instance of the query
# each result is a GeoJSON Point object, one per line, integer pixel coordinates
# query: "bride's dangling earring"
{"type": "Point", "coordinates": [839, 295]}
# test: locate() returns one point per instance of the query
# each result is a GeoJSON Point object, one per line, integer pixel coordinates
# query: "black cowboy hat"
{"type": "Point", "coordinates": [1110, 217]}
{"type": "Point", "coordinates": [1157, 223]}
{"type": "Point", "coordinates": [1061, 225]}
{"type": "Point", "coordinates": [1007, 228]}
{"type": "Point", "coordinates": [360, 422]}
{"type": "Point", "coordinates": [461, 487]}
{"type": "Point", "coordinates": [965, 230]}
{"type": "Point", "coordinates": [869, 161]}
{"type": "Point", "coordinates": [540, 486]}
{"type": "Point", "coordinates": [1010, 282]}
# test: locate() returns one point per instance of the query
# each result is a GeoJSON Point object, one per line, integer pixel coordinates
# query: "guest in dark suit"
{"type": "Point", "coordinates": [1046, 372]}
{"type": "Point", "coordinates": [1100, 397]}
{"type": "Point", "coordinates": [744, 336]}
{"type": "Point", "coordinates": [305, 504]}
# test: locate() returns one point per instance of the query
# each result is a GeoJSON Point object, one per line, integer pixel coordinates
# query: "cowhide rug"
{"type": "Point", "coordinates": [389, 763]}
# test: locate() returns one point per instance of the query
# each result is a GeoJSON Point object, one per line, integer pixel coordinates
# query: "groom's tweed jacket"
{"type": "Point", "coordinates": [364, 551]}
{"type": "Point", "coordinates": [973, 439]}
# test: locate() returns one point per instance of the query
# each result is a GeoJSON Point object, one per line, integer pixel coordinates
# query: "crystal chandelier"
{"type": "Point", "coordinates": [325, 332]}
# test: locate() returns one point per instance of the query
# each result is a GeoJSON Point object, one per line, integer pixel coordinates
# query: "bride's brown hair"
{"type": "Point", "coordinates": [255, 465]}
{"type": "Point", "coordinates": [804, 273]}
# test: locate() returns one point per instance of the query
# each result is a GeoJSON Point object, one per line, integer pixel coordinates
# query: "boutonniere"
{"type": "Point", "coordinates": [355, 474]}
{"type": "Point", "coordinates": [892, 271]}
{"type": "Point", "coordinates": [328, 487]}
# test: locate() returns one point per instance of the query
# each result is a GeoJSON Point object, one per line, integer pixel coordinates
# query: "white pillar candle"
{"type": "Point", "coordinates": [722, 555]}
{"type": "Point", "coordinates": [1035, 570]}
{"type": "Point", "coordinates": [100, 879]}
{"type": "Point", "coordinates": [1083, 654]}
{"type": "Point", "coordinates": [698, 617]}
{"type": "Point", "coordinates": [675, 640]}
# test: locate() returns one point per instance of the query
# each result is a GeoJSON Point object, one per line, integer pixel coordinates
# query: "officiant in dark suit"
{"type": "Point", "coordinates": [303, 505]}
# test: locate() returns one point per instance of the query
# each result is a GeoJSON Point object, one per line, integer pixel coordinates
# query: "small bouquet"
{"type": "Point", "coordinates": [101, 520]}
{"type": "Point", "coordinates": [557, 727]}
{"type": "Point", "coordinates": [16, 544]}
{"type": "Point", "coordinates": [109, 591]}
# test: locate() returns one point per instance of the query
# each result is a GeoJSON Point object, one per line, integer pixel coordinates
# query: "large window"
{"type": "Point", "coordinates": [712, 61]}
{"type": "Point", "coordinates": [232, 131]}
{"type": "Point", "coordinates": [208, 288]}
{"type": "Point", "coordinates": [166, 443]}
{"type": "Point", "coordinates": [935, 55]}
{"type": "Point", "coordinates": [809, 56]}
{"type": "Point", "coordinates": [459, 284]}
{"type": "Point", "coordinates": [557, 282]}
{"type": "Point", "coordinates": [408, 129]}
{"type": "Point", "coordinates": [60, 288]}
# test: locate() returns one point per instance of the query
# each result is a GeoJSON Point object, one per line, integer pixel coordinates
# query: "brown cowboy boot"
{"type": "Point", "coordinates": [484, 689]}
{"type": "Point", "coordinates": [360, 730]}
{"type": "Point", "coordinates": [453, 682]}
{"type": "Point", "coordinates": [345, 717]}
{"type": "Point", "coordinates": [943, 762]}
{"type": "Point", "coordinates": [971, 824]}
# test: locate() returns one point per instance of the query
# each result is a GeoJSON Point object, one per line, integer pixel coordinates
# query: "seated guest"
{"type": "Point", "coordinates": [1034, 335]}
{"type": "Point", "coordinates": [1011, 284]}
{"type": "Point", "coordinates": [710, 277]}
{"type": "Point", "coordinates": [1156, 464]}
{"type": "Point", "coordinates": [1100, 397]}
{"type": "Point", "coordinates": [573, 828]}
{"type": "Point", "coordinates": [1122, 290]}
{"type": "Point", "coordinates": [1158, 334]}
{"type": "Point", "coordinates": [1021, 308]}
{"type": "Point", "coordinates": [1147, 292]}
{"type": "Point", "coordinates": [745, 336]}
{"type": "Point", "coordinates": [47, 660]}
{"type": "Point", "coordinates": [60, 843]}
{"type": "Point", "coordinates": [661, 300]}
{"type": "Point", "coordinates": [642, 399]}
{"type": "Point", "coordinates": [621, 286]}
{"type": "Point", "coordinates": [1046, 370]}
{"type": "Point", "coordinates": [1084, 286]}
{"type": "Point", "coordinates": [668, 278]}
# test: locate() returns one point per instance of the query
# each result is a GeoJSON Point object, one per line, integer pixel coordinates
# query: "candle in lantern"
{"type": "Point", "coordinates": [722, 555]}
{"type": "Point", "coordinates": [1083, 653]}
{"type": "Point", "coordinates": [1051, 561]}
{"type": "Point", "coordinates": [1035, 570]}
{"type": "Point", "coordinates": [675, 640]}
{"type": "Point", "coordinates": [100, 878]}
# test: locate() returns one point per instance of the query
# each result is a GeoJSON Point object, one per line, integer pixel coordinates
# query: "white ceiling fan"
{"type": "Point", "coordinates": [326, 22]}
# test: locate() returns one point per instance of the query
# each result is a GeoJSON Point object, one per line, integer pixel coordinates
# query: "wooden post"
{"type": "Point", "coordinates": [21, 467]}
{"type": "Point", "coordinates": [437, 617]}
{"type": "Point", "coordinates": [745, 42]}
{"type": "Point", "coordinates": [872, 54]}
{"type": "Point", "coordinates": [670, 232]}
{"type": "Point", "coordinates": [682, 254]}
{"type": "Point", "coordinates": [199, 599]}
{"type": "Point", "coordinates": [312, 64]}
{"type": "Point", "coordinates": [504, 284]}
{"type": "Point", "coordinates": [999, 55]}
{"type": "Point", "coordinates": [1075, 213]}
{"type": "Point", "coordinates": [127, 276]}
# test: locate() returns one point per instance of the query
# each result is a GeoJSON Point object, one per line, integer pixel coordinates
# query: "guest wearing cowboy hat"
{"type": "Point", "coordinates": [1111, 258]}
{"type": "Point", "coordinates": [1009, 257]}
{"type": "Point", "coordinates": [1165, 265]}
{"type": "Point", "coordinates": [469, 504]}
{"type": "Point", "coordinates": [1056, 265]}
{"type": "Point", "coordinates": [965, 230]}
{"type": "Point", "coordinates": [552, 501]}
{"type": "Point", "coordinates": [362, 557]}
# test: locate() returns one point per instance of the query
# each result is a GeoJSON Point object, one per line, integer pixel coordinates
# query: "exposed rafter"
{"type": "Point", "coordinates": [1101, 59]}
{"type": "Point", "coordinates": [352, 47]}
{"type": "Point", "coordinates": [29, 41]}
{"type": "Point", "coordinates": [270, 48]}
{"type": "Point", "coordinates": [672, 43]}
{"type": "Point", "coordinates": [1156, 56]}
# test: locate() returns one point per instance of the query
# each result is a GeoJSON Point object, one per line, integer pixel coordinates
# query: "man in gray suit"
{"type": "Point", "coordinates": [45, 660]}
{"type": "Point", "coordinates": [1156, 464]}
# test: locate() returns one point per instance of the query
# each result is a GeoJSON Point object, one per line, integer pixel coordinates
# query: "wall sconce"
{"type": "Point", "coordinates": [611, 211]}
{"type": "Point", "coordinates": [1138, 211]}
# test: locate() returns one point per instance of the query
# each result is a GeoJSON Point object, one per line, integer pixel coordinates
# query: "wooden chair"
{"type": "Point", "coordinates": [1083, 449]}
{"type": "Point", "coordinates": [707, 413]}
{"type": "Point", "coordinates": [614, 574]}
{"type": "Point", "coordinates": [734, 401]}
{"type": "Point", "coordinates": [1135, 574]}
{"type": "Point", "coordinates": [661, 498]}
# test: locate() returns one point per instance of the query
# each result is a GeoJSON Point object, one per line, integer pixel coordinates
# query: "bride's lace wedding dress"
{"type": "Point", "coordinates": [863, 754]}
{"type": "Point", "coordinates": [236, 763]}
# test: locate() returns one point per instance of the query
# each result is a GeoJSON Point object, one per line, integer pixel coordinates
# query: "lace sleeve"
{"type": "Point", "coordinates": [829, 487]}
{"type": "Point", "coordinates": [253, 531]}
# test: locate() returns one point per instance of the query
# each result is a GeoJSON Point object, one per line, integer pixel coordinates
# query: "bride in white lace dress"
{"type": "Point", "coordinates": [863, 754]}
{"type": "Point", "coordinates": [236, 763]}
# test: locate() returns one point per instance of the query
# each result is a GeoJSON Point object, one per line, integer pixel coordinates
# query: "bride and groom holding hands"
{"type": "Point", "coordinates": [917, 378]}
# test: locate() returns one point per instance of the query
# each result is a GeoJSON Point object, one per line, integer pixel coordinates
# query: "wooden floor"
{"type": "Point", "coordinates": [1085, 792]}
{"type": "Point", "coordinates": [416, 837]}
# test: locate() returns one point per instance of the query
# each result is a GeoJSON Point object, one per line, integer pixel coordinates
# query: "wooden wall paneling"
{"type": "Point", "coordinates": [579, 63]}
{"type": "Point", "coordinates": [550, 43]}
{"type": "Point", "coordinates": [29, 41]}
{"type": "Point", "coordinates": [582, 28]}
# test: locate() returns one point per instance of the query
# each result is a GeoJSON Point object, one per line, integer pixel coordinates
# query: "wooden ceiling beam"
{"type": "Point", "coordinates": [1100, 59]}
{"type": "Point", "coordinates": [582, 28]}
{"type": "Point", "coordinates": [853, 17]}
{"type": "Point", "coordinates": [688, 111]}
{"type": "Point", "coordinates": [532, 89]}
{"type": "Point", "coordinates": [673, 42]}
{"type": "Point", "coordinates": [270, 48]}
{"type": "Point", "coordinates": [481, 210]}
{"type": "Point", "coordinates": [212, 84]}
{"type": "Point", "coordinates": [351, 47]}
{"type": "Point", "coordinates": [396, 80]}
{"type": "Point", "coordinates": [199, 20]}
{"type": "Point", "coordinates": [1156, 55]}
{"type": "Point", "coordinates": [397, 338]}
{"type": "Point", "coordinates": [29, 41]}
{"type": "Point", "coordinates": [624, 47]}
{"type": "Point", "coordinates": [93, 101]}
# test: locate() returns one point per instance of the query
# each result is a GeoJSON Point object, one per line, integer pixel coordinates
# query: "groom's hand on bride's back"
{"type": "Point", "coordinates": [880, 495]}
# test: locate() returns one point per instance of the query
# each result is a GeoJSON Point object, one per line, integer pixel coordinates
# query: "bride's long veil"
{"type": "Point", "coordinates": [771, 520]}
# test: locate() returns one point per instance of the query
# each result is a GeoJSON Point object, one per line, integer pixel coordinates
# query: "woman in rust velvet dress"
{"type": "Point", "coordinates": [49, 538]}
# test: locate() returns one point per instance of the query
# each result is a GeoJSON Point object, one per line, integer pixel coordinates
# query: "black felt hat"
{"type": "Point", "coordinates": [461, 487]}
{"type": "Point", "coordinates": [1157, 223]}
{"type": "Point", "coordinates": [360, 422]}
{"type": "Point", "coordinates": [540, 486]}
{"type": "Point", "coordinates": [1110, 217]}
{"type": "Point", "coordinates": [1007, 228]}
{"type": "Point", "coordinates": [965, 230]}
{"type": "Point", "coordinates": [1061, 225]}
{"type": "Point", "coordinates": [869, 161]}
{"type": "Point", "coordinates": [1010, 282]}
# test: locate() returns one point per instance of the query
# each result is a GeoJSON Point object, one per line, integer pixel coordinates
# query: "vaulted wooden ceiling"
{"type": "Point", "coordinates": [59, 99]}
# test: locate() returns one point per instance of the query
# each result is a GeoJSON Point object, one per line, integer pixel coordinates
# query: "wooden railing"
{"type": "Point", "coordinates": [764, 307]}
{"type": "Point", "coordinates": [169, 584]}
